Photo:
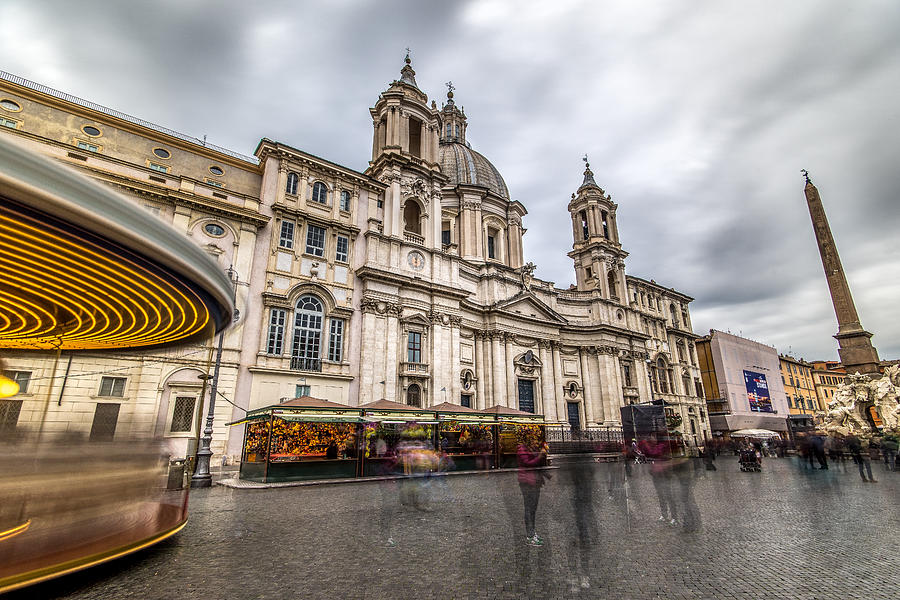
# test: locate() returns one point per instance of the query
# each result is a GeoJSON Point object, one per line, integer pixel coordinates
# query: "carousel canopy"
{"type": "Point", "coordinates": [85, 268]}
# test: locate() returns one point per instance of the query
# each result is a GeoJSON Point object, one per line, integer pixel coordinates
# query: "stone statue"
{"type": "Point", "coordinates": [528, 274]}
{"type": "Point", "coordinates": [850, 411]}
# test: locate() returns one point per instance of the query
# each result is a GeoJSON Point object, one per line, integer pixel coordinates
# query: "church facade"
{"type": "Point", "coordinates": [406, 281]}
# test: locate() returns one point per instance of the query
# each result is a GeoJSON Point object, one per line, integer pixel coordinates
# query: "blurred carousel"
{"type": "Point", "coordinates": [84, 269]}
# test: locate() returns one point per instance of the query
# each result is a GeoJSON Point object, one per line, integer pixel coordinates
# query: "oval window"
{"type": "Point", "coordinates": [10, 105]}
{"type": "Point", "coordinates": [91, 130]}
{"type": "Point", "coordinates": [161, 152]}
{"type": "Point", "coordinates": [216, 170]}
{"type": "Point", "coordinates": [214, 229]}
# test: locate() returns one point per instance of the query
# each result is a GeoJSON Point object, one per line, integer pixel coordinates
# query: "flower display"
{"type": "Point", "coordinates": [293, 439]}
{"type": "Point", "coordinates": [257, 441]}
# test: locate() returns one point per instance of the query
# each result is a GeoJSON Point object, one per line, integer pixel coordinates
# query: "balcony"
{"type": "Point", "coordinates": [409, 368]}
{"type": "Point", "coordinates": [414, 238]}
{"type": "Point", "coordinates": [306, 364]}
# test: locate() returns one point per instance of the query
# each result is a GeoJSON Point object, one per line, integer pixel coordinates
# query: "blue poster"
{"type": "Point", "coordinates": [757, 392]}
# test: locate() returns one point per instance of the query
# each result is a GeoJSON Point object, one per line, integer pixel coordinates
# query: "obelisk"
{"type": "Point", "coordinates": [856, 351]}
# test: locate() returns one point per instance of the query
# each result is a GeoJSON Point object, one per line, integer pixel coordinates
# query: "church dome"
{"type": "Point", "coordinates": [463, 165]}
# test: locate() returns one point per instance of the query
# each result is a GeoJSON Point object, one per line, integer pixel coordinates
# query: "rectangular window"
{"type": "Point", "coordinates": [23, 378]}
{"type": "Point", "coordinates": [159, 168]}
{"type": "Point", "coordinates": [215, 183]}
{"type": "Point", "coordinates": [465, 400]}
{"type": "Point", "coordinates": [336, 340]}
{"type": "Point", "coordinates": [342, 249]}
{"type": "Point", "coordinates": [414, 347]}
{"type": "Point", "coordinates": [183, 414]}
{"type": "Point", "coordinates": [490, 247]}
{"type": "Point", "coordinates": [315, 240]}
{"type": "Point", "coordinates": [8, 123]}
{"type": "Point", "coordinates": [9, 414]}
{"type": "Point", "coordinates": [626, 370]}
{"type": "Point", "coordinates": [301, 390]}
{"type": "Point", "coordinates": [345, 201]}
{"type": "Point", "coordinates": [112, 386]}
{"type": "Point", "coordinates": [379, 203]}
{"type": "Point", "coordinates": [103, 429]}
{"type": "Point", "coordinates": [286, 239]}
{"type": "Point", "coordinates": [275, 344]}
{"type": "Point", "coordinates": [445, 237]}
{"type": "Point", "coordinates": [88, 147]}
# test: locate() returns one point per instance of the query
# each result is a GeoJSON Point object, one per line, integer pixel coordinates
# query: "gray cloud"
{"type": "Point", "coordinates": [697, 117]}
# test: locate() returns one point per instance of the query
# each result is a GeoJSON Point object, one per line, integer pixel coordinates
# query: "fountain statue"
{"type": "Point", "coordinates": [862, 401]}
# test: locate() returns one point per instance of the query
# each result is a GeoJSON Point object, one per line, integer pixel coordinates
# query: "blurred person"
{"type": "Point", "coordinates": [860, 457]}
{"type": "Point", "coordinates": [580, 473]}
{"type": "Point", "coordinates": [662, 481]}
{"type": "Point", "coordinates": [817, 446]}
{"type": "Point", "coordinates": [531, 453]}
{"type": "Point", "coordinates": [889, 446]}
{"type": "Point", "coordinates": [685, 472]}
{"type": "Point", "coordinates": [331, 452]}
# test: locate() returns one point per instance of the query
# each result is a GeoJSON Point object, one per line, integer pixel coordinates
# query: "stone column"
{"type": "Point", "coordinates": [454, 388]}
{"type": "Point", "coordinates": [438, 370]}
{"type": "Point", "coordinates": [511, 386]}
{"type": "Point", "coordinates": [282, 181]}
{"type": "Point", "coordinates": [366, 359]}
{"type": "Point", "coordinates": [557, 381]}
{"type": "Point", "coordinates": [480, 370]}
{"type": "Point", "coordinates": [392, 349]}
{"type": "Point", "coordinates": [588, 387]}
{"type": "Point", "coordinates": [547, 383]}
{"type": "Point", "coordinates": [498, 375]}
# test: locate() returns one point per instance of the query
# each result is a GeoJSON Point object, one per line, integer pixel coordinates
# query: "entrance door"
{"type": "Point", "coordinates": [526, 395]}
{"type": "Point", "coordinates": [572, 412]}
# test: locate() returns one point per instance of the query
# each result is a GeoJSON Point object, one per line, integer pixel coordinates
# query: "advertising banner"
{"type": "Point", "coordinates": [757, 392]}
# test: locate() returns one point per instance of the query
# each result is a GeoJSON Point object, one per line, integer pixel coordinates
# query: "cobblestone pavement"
{"type": "Point", "coordinates": [787, 532]}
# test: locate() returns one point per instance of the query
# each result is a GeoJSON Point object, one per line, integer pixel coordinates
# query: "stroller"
{"type": "Point", "coordinates": [750, 460]}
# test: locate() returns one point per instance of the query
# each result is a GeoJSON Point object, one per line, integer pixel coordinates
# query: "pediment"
{"type": "Point", "coordinates": [528, 305]}
{"type": "Point", "coordinates": [417, 318]}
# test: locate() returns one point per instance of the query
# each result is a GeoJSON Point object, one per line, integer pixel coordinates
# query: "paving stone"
{"type": "Point", "coordinates": [787, 532]}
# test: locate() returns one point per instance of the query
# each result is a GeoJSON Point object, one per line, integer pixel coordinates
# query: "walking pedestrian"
{"type": "Point", "coordinates": [531, 453]}
{"type": "Point", "coordinates": [860, 457]}
{"type": "Point", "coordinates": [889, 446]}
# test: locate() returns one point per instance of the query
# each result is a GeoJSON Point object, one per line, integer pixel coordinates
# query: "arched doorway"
{"type": "Point", "coordinates": [414, 395]}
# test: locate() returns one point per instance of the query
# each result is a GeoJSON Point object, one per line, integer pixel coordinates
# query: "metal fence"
{"type": "Point", "coordinates": [568, 440]}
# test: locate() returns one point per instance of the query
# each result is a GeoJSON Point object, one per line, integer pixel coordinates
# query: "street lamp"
{"type": "Point", "coordinates": [202, 478]}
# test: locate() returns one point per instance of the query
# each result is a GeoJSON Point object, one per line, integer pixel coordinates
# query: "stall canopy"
{"type": "Point", "coordinates": [755, 433]}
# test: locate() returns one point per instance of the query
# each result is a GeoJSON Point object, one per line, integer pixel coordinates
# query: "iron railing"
{"type": "Point", "coordinates": [299, 363]}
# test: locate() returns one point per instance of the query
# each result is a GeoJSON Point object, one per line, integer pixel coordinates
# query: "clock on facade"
{"type": "Point", "coordinates": [416, 260]}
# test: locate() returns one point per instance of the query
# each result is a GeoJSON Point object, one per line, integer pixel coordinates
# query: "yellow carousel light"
{"type": "Point", "coordinates": [8, 387]}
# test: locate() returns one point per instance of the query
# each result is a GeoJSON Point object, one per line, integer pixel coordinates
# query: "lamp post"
{"type": "Point", "coordinates": [202, 478]}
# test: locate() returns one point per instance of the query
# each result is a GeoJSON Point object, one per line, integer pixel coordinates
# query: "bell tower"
{"type": "Point", "coordinates": [598, 255]}
{"type": "Point", "coordinates": [405, 155]}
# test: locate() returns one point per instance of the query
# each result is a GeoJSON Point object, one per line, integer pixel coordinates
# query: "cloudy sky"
{"type": "Point", "coordinates": [696, 116]}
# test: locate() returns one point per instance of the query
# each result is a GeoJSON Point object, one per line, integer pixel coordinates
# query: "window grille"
{"type": "Point", "coordinates": [106, 416]}
{"type": "Point", "coordinates": [9, 414]}
{"type": "Point", "coordinates": [183, 414]}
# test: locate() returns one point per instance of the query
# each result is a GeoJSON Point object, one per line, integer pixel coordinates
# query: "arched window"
{"type": "Point", "coordinates": [674, 315]}
{"type": "Point", "coordinates": [308, 318]}
{"type": "Point", "coordinates": [345, 200]}
{"type": "Point", "coordinates": [613, 285]}
{"type": "Point", "coordinates": [292, 182]}
{"type": "Point", "coordinates": [585, 231]}
{"type": "Point", "coordinates": [414, 395]}
{"type": "Point", "coordinates": [411, 217]}
{"type": "Point", "coordinates": [604, 219]}
{"type": "Point", "coordinates": [320, 193]}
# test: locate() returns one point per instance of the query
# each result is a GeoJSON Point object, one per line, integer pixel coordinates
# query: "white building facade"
{"type": "Point", "coordinates": [406, 281]}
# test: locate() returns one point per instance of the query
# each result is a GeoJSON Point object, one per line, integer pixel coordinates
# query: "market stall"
{"type": "Point", "coordinates": [465, 436]}
{"type": "Point", "coordinates": [392, 431]}
{"type": "Point", "coordinates": [303, 438]}
{"type": "Point", "coordinates": [513, 426]}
